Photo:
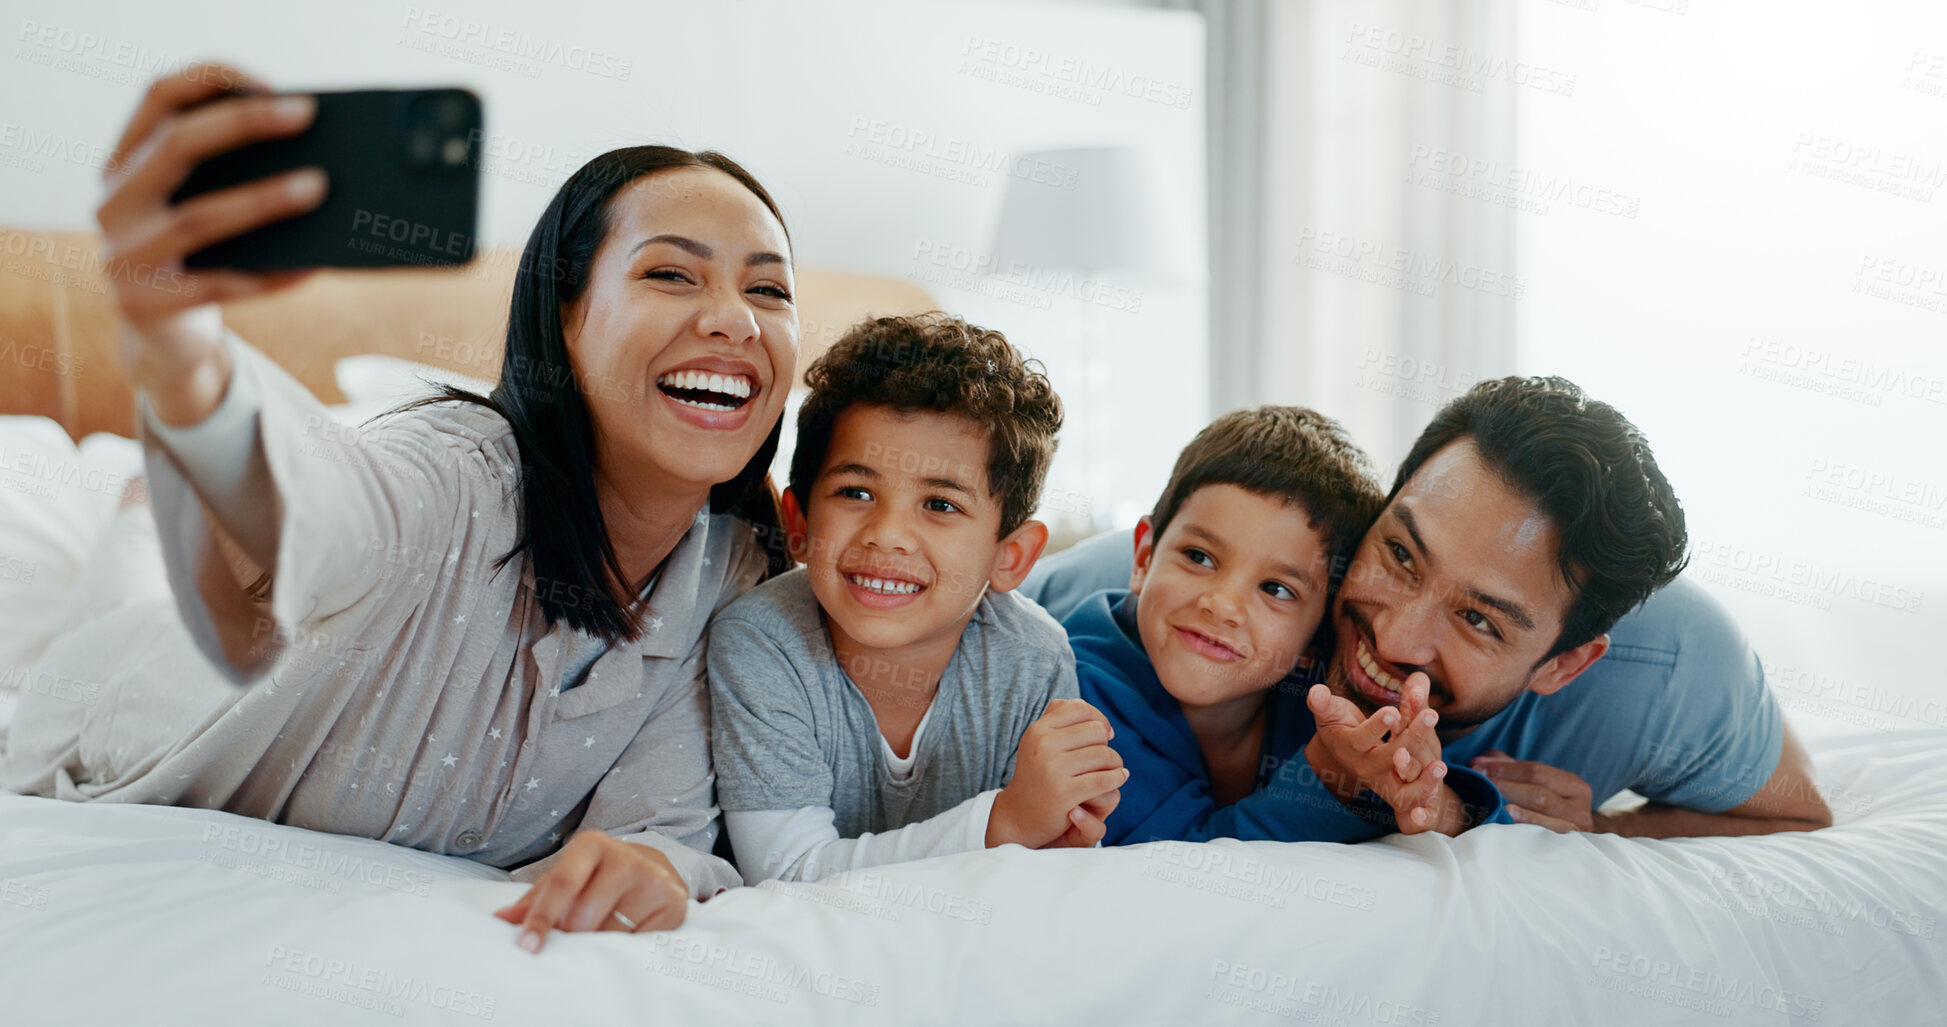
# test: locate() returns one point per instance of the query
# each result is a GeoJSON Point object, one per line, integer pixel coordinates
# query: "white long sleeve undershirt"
{"type": "Point", "coordinates": [803, 844]}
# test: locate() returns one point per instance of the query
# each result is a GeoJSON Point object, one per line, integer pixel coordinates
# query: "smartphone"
{"type": "Point", "coordinates": [403, 185]}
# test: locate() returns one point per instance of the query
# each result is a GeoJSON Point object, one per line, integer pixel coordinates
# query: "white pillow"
{"type": "Point", "coordinates": [373, 384]}
{"type": "Point", "coordinates": [55, 499]}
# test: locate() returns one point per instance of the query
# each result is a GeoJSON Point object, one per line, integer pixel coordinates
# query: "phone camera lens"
{"type": "Point", "coordinates": [421, 146]}
{"type": "Point", "coordinates": [439, 131]}
{"type": "Point", "coordinates": [452, 112]}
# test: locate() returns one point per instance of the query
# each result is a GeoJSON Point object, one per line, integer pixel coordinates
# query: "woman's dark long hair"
{"type": "Point", "coordinates": [562, 528]}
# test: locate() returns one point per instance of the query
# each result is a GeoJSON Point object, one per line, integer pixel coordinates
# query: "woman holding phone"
{"type": "Point", "coordinates": [484, 618]}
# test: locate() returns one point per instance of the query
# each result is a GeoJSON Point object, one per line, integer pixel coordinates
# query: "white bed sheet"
{"type": "Point", "coordinates": [119, 914]}
{"type": "Point", "coordinates": [123, 915]}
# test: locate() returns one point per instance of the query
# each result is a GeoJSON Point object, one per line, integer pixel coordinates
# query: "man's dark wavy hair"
{"type": "Point", "coordinates": [1592, 474]}
{"type": "Point", "coordinates": [939, 363]}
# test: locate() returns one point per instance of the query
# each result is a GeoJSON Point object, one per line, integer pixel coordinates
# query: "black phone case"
{"type": "Point", "coordinates": [386, 203]}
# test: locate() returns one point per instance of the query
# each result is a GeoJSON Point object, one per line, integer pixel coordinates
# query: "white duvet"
{"type": "Point", "coordinates": [128, 915]}
{"type": "Point", "coordinates": [138, 915]}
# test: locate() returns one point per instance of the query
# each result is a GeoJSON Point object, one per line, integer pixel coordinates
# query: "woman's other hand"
{"type": "Point", "coordinates": [596, 877]}
{"type": "Point", "coordinates": [173, 345]}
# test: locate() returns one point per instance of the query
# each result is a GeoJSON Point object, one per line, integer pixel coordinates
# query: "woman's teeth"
{"type": "Point", "coordinates": [729, 384]}
{"type": "Point", "coordinates": [882, 585]}
{"type": "Point", "coordinates": [1379, 677]}
{"type": "Point", "coordinates": [706, 391]}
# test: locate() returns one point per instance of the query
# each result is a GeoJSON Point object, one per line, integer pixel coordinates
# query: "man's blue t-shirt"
{"type": "Point", "coordinates": [1677, 710]}
{"type": "Point", "coordinates": [1168, 795]}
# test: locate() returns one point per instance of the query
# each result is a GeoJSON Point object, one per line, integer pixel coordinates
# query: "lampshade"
{"type": "Point", "coordinates": [1081, 209]}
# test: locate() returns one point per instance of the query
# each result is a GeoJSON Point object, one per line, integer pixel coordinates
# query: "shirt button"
{"type": "Point", "coordinates": [468, 840]}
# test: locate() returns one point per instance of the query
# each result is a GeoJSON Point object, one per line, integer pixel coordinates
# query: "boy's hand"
{"type": "Point", "coordinates": [1350, 753]}
{"type": "Point", "coordinates": [1087, 823]}
{"type": "Point", "coordinates": [1064, 761]}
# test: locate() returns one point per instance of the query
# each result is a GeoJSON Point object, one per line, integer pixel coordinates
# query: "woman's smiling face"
{"type": "Point", "coordinates": [685, 339]}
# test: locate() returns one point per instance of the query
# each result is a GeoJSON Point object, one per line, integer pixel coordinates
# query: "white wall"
{"type": "Point", "coordinates": [888, 132]}
{"type": "Point", "coordinates": [1774, 316]}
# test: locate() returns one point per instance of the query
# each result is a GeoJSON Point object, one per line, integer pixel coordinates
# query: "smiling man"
{"type": "Point", "coordinates": [1524, 527]}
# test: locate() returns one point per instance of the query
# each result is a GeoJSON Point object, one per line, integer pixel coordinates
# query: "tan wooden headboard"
{"type": "Point", "coordinates": [60, 349]}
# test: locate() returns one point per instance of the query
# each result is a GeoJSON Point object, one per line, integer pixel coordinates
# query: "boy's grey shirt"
{"type": "Point", "coordinates": [791, 729]}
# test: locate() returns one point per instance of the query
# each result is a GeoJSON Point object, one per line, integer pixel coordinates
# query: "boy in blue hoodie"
{"type": "Point", "coordinates": [1202, 665]}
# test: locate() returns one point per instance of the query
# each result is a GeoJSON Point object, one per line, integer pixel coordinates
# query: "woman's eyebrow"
{"type": "Point", "coordinates": [704, 252]}
{"type": "Point", "coordinates": [681, 242]}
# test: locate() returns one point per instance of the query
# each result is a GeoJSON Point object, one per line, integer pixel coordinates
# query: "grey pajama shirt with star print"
{"type": "Point", "coordinates": [390, 680]}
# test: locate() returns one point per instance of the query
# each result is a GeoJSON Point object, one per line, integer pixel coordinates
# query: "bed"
{"type": "Point", "coordinates": [130, 914]}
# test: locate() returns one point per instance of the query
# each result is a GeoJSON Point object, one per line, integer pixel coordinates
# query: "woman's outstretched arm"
{"type": "Point", "coordinates": [173, 344]}
{"type": "Point", "coordinates": [253, 483]}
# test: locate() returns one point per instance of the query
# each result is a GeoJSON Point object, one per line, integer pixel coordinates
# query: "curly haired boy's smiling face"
{"type": "Point", "coordinates": [901, 536]}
